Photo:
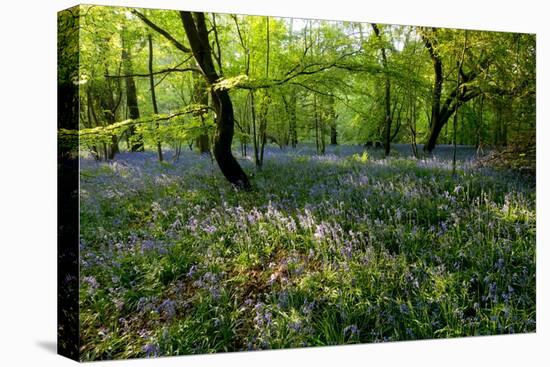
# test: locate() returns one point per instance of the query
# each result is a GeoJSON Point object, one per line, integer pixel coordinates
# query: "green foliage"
{"type": "Point", "coordinates": [361, 158]}
{"type": "Point", "coordinates": [230, 83]}
{"type": "Point", "coordinates": [300, 59]}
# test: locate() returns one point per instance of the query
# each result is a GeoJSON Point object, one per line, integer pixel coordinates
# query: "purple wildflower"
{"type": "Point", "coordinates": [352, 330]}
{"type": "Point", "coordinates": [167, 308]}
{"type": "Point", "coordinates": [151, 350]}
{"type": "Point", "coordinates": [92, 282]}
{"type": "Point", "coordinates": [192, 271]}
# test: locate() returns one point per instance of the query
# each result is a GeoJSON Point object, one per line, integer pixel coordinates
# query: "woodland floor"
{"type": "Point", "coordinates": [334, 249]}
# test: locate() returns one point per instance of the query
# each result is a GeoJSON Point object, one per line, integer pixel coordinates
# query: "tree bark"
{"type": "Point", "coordinates": [455, 119]}
{"type": "Point", "coordinates": [255, 142]}
{"type": "Point", "coordinates": [332, 121]}
{"type": "Point", "coordinates": [153, 95]}
{"type": "Point", "coordinates": [461, 94]}
{"type": "Point", "coordinates": [316, 120]}
{"type": "Point", "coordinates": [290, 107]}
{"type": "Point", "coordinates": [131, 97]}
{"type": "Point", "coordinates": [264, 106]}
{"type": "Point", "coordinates": [333, 135]}
{"type": "Point", "coordinates": [266, 102]}
{"type": "Point", "coordinates": [201, 93]}
{"type": "Point", "coordinates": [435, 126]}
{"type": "Point", "coordinates": [109, 105]}
{"type": "Point", "coordinates": [387, 96]}
{"type": "Point", "coordinates": [197, 34]}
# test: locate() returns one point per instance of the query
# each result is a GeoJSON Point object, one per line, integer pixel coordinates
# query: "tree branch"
{"type": "Point", "coordinates": [304, 71]}
{"type": "Point", "coordinates": [164, 71]}
{"type": "Point", "coordinates": [164, 33]}
{"type": "Point", "coordinates": [126, 123]}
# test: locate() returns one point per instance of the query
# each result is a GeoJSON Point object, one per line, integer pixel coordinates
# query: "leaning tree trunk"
{"type": "Point", "coordinates": [435, 126]}
{"type": "Point", "coordinates": [441, 112]}
{"type": "Point", "coordinates": [197, 34]}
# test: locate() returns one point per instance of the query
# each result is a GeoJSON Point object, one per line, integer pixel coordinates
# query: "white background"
{"type": "Point", "coordinates": [28, 181]}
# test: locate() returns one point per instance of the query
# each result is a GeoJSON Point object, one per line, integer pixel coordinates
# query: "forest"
{"type": "Point", "coordinates": [252, 182]}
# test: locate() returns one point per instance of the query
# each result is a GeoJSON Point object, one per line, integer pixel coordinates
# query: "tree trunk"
{"type": "Point", "coordinates": [290, 107]}
{"type": "Point", "coordinates": [435, 126]}
{"type": "Point", "coordinates": [455, 119]}
{"type": "Point", "coordinates": [263, 126]}
{"type": "Point", "coordinates": [267, 99]}
{"type": "Point", "coordinates": [293, 129]}
{"type": "Point", "coordinates": [89, 104]}
{"type": "Point", "coordinates": [333, 135]}
{"type": "Point", "coordinates": [201, 97]}
{"type": "Point", "coordinates": [153, 95]}
{"type": "Point", "coordinates": [255, 141]}
{"type": "Point", "coordinates": [480, 141]}
{"type": "Point", "coordinates": [109, 107]}
{"type": "Point", "coordinates": [332, 121]}
{"type": "Point", "coordinates": [461, 94]}
{"type": "Point", "coordinates": [316, 116]}
{"type": "Point", "coordinates": [131, 97]}
{"type": "Point", "coordinates": [322, 140]}
{"type": "Point", "coordinates": [387, 96]}
{"type": "Point", "coordinates": [197, 34]}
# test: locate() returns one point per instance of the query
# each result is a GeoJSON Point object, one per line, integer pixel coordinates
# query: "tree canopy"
{"type": "Point", "coordinates": [145, 81]}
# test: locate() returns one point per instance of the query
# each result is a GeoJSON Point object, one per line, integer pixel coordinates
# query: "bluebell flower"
{"type": "Point", "coordinates": [151, 350]}
{"type": "Point", "coordinates": [192, 271]}
{"type": "Point", "coordinates": [352, 330]}
{"type": "Point", "coordinates": [167, 308]}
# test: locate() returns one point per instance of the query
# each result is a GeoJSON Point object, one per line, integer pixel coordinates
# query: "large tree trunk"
{"type": "Point", "coordinates": [197, 34]}
{"type": "Point", "coordinates": [461, 94]}
{"type": "Point", "coordinates": [131, 97]}
{"type": "Point", "coordinates": [435, 125]}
